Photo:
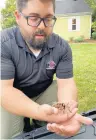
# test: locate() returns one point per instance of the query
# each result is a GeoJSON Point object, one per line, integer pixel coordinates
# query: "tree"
{"type": "Point", "coordinates": [94, 26]}
{"type": "Point", "coordinates": [7, 14]}
{"type": "Point", "coordinates": [92, 3]}
{"type": "Point", "coordinates": [94, 15]}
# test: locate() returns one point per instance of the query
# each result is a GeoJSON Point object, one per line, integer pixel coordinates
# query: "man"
{"type": "Point", "coordinates": [31, 54]}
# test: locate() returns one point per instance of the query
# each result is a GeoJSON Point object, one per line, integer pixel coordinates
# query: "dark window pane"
{"type": "Point", "coordinates": [73, 27]}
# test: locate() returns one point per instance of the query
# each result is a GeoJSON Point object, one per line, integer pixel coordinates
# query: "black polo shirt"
{"type": "Point", "coordinates": [33, 75]}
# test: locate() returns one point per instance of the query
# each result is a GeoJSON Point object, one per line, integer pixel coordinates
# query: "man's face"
{"type": "Point", "coordinates": [36, 36]}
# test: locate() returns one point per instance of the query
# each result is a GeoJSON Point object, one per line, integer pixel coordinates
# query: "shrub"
{"type": "Point", "coordinates": [79, 39]}
{"type": "Point", "coordinates": [82, 36]}
{"type": "Point", "coordinates": [94, 35]}
{"type": "Point", "coordinates": [94, 26]}
{"type": "Point", "coordinates": [71, 39]}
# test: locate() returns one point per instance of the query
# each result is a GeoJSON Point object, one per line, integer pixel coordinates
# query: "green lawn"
{"type": "Point", "coordinates": [84, 61]}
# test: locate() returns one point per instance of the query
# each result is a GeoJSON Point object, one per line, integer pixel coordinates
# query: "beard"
{"type": "Point", "coordinates": [38, 44]}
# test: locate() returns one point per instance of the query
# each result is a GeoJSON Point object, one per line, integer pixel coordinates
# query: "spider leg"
{"type": "Point", "coordinates": [67, 105]}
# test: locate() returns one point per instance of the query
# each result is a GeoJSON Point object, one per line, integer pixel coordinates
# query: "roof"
{"type": "Point", "coordinates": [71, 7]}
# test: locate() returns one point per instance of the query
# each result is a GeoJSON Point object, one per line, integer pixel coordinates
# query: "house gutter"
{"type": "Point", "coordinates": [74, 14]}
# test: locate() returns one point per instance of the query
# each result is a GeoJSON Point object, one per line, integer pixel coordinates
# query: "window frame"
{"type": "Point", "coordinates": [70, 24]}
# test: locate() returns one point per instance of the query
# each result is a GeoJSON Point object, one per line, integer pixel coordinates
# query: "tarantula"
{"type": "Point", "coordinates": [62, 107]}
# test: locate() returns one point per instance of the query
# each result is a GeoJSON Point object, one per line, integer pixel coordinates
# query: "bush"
{"type": "Point", "coordinates": [94, 35]}
{"type": "Point", "coordinates": [71, 39]}
{"type": "Point", "coordinates": [79, 39]}
{"type": "Point", "coordinates": [94, 26]}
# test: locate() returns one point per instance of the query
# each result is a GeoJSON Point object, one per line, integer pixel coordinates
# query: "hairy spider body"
{"type": "Point", "coordinates": [62, 107]}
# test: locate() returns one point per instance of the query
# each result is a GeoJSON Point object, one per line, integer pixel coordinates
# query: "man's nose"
{"type": "Point", "coordinates": [41, 25]}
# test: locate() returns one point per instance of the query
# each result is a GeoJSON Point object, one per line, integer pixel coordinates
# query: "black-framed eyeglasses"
{"type": "Point", "coordinates": [35, 21]}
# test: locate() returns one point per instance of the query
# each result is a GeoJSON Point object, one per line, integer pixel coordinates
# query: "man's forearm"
{"type": "Point", "coordinates": [14, 101]}
{"type": "Point", "coordinates": [67, 94]}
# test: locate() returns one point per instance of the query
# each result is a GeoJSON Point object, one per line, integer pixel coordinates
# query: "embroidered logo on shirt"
{"type": "Point", "coordinates": [51, 65]}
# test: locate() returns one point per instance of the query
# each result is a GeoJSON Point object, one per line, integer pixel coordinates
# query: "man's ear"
{"type": "Point", "coordinates": [17, 16]}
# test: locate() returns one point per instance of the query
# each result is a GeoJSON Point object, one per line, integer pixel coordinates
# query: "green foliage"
{"type": "Point", "coordinates": [71, 39]}
{"type": "Point", "coordinates": [8, 19]}
{"type": "Point", "coordinates": [94, 15]}
{"type": "Point", "coordinates": [79, 39]}
{"type": "Point", "coordinates": [92, 3]}
{"type": "Point", "coordinates": [94, 35]}
{"type": "Point", "coordinates": [94, 26]}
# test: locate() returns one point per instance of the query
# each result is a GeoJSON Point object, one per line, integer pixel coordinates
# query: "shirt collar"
{"type": "Point", "coordinates": [51, 42]}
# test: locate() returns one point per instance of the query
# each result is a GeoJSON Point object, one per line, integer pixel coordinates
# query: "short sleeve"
{"type": "Point", "coordinates": [64, 68]}
{"type": "Point", "coordinates": [7, 65]}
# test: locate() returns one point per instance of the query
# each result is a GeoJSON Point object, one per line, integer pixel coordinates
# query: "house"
{"type": "Point", "coordinates": [74, 19]}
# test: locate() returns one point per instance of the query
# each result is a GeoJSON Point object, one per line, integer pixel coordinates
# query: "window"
{"type": "Point", "coordinates": [74, 24]}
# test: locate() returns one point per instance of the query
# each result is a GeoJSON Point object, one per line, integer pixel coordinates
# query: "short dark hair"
{"type": "Point", "coordinates": [21, 4]}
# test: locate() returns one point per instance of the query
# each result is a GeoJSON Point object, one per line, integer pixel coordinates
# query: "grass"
{"type": "Point", "coordinates": [84, 61]}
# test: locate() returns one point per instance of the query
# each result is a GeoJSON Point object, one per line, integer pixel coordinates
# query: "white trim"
{"type": "Point", "coordinates": [58, 0]}
{"type": "Point", "coordinates": [77, 23]}
{"type": "Point", "coordinates": [74, 14]}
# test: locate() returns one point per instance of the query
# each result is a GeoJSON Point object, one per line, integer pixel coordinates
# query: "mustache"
{"type": "Point", "coordinates": [40, 32]}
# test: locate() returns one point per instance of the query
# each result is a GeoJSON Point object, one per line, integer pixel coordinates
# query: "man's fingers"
{"type": "Point", "coordinates": [55, 128]}
{"type": "Point", "coordinates": [52, 127]}
{"type": "Point", "coordinates": [72, 129]}
{"type": "Point", "coordinates": [62, 130]}
{"type": "Point", "coordinates": [66, 116]}
{"type": "Point", "coordinates": [55, 110]}
{"type": "Point", "coordinates": [49, 110]}
{"type": "Point", "coordinates": [74, 111]}
{"type": "Point", "coordinates": [73, 104]}
{"type": "Point", "coordinates": [84, 120]}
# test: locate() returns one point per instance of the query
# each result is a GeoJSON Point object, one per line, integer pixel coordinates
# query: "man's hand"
{"type": "Point", "coordinates": [52, 115]}
{"type": "Point", "coordinates": [70, 127]}
{"type": "Point", "coordinates": [65, 107]}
